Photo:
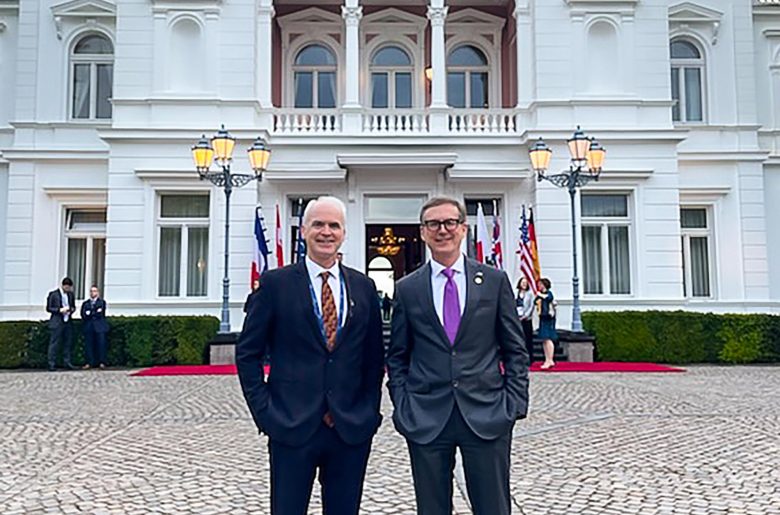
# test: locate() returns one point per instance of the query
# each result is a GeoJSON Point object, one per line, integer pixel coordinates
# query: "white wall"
{"type": "Point", "coordinates": [772, 196]}
{"type": "Point", "coordinates": [3, 218]}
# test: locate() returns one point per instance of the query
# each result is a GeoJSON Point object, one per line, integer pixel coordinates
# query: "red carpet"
{"type": "Point", "coordinates": [562, 366]}
{"type": "Point", "coordinates": [605, 366]}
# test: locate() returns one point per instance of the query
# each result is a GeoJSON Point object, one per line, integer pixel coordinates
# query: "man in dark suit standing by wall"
{"type": "Point", "coordinates": [454, 322]}
{"type": "Point", "coordinates": [95, 327]}
{"type": "Point", "coordinates": [320, 323]}
{"type": "Point", "coordinates": [61, 303]}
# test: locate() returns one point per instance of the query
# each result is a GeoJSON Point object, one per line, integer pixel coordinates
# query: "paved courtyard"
{"type": "Point", "coordinates": [707, 441]}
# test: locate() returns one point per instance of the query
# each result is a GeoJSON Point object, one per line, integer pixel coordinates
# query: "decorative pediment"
{"type": "Point", "coordinates": [79, 11]}
{"type": "Point", "coordinates": [394, 17]}
{"type": "Point", "coordinates": [474, 18]}
{"type": "Point", "coordinates": [689, 14]}
{"type": "Point", "coordinates": [582, 8]}
{"type": "Point", "coordinates": [311, 15]}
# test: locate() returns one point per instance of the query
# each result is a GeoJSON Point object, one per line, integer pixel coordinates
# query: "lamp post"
{"type": "Point", "coordinates": [587, 159]}
{"type": "Point", "coordinates": [220, 151]}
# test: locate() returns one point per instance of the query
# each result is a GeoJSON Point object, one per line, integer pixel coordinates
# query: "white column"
{"type": "Point", "coordinates": [352, 13]}
{"type": "Point", "coordinates": [526, 69]}
{"type": "Point", "coordinates": [264, 53]}
{"type": "Point", "coordinates": [437, 12]}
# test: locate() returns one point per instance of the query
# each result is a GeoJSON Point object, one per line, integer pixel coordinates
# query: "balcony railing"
{"type": "Point", "coordinates": [393, 121]}
{"type": "Point", "coordinates": [396, 122]}
{"type": "Point", "coordinates": [308, 121]}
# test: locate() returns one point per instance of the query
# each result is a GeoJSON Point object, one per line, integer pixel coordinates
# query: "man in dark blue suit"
{"type": "Point", "coordinates": [454, 325]}
{"type": "Point", "coordinates": [60, 304]}
{"type": "Point", "coordinates": [95, 326]}
{"type": "Point", "coordinates": [320, 323]}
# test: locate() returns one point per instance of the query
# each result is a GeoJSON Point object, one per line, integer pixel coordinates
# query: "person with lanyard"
{"type": "Point", "coordinates": [95, 327]}
{"type": "Point", "coordinates": [321, 326]}
{"type": "Point", "coordinates": [60, 304]}
{"type": "Point", "coordinates": [454, 324]}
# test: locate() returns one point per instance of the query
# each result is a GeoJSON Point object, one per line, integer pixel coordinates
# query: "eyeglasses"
{"type": "Point", "coordinates": [434, 225]}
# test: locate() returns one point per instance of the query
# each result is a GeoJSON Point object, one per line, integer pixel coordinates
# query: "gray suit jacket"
{"type": "Point", "coordinates": [428, 375]}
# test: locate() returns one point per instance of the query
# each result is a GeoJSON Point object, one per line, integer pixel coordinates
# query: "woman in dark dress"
{"type": "Point", "coordinates": [525, 310]}
{"type": "Point", "coordinates": [545, 307]}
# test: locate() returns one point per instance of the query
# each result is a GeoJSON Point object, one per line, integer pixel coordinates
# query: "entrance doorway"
{"type": "Point", "coordinates": [392, 251]}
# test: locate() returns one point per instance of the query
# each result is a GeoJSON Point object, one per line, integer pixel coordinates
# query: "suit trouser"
{"type": "Point", "coordinates": [61, 333]}
{"type": "Point", "coordinates": [342, 468]}
{"type": "Point", "coordinates": [485, 463]}
{"type": "Point", "coordinates": [95, 347]}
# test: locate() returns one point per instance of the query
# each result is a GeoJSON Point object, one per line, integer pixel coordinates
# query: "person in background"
{"type": "Point", "coordinates": [546, 307]}
{"type": "Point", "coordinates": [60, 304]}
{"type": "Point", "coordinates": [255, 289]}
{"type": "Point", "coordinates": [525, 310]}
{"type": "Point", "coordinates": [95, 326]}
{"type": "Point", "coordinates": [387, 303]}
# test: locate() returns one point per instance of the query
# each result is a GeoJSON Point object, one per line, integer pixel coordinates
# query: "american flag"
{"type": "Point", "coordinates": [260, 261]}
{"type": "Point", "coordinates": [497, 255]}
{"type": "Point", "coordinates": [529, 257]}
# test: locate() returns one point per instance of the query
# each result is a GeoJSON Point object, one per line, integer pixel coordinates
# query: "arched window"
{"type": "Point", "coordinates": [92, 72]}
{"type": "Point", "coordinates": [391, 78]}
{"type": "Point", "coordinates": [687, 82]}
{"type": "Point", "coordinates": [467, 77]}
{"type": "Point", "coordinates": [314, 74]}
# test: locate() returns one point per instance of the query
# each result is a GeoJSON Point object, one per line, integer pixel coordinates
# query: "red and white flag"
{"type": "Point", "coordinates": [496, 254]}
{"type": "Point", "coordinates": [484, 243]}
{"type": "Point", "coordinates": [279, 246]}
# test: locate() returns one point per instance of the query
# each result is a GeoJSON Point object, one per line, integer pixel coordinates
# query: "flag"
{"type": "Point", "coordinates": [483, 241]}
{"type": "Point", "coordinates": [495, 252]}
{"type": "Point", "coordinates": [300, 244]}
{"type": "Point", "coordinates": [260, 261]}
{"type": "Point", "coordinates": [279, 246]}
{"type": "Point", "coordinates": [529, 257]}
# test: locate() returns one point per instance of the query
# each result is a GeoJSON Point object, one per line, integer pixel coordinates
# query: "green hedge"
{"type": "Point", "coordinates": [132, 341]}
{"type": "Point", "coordinates": [684, 337]}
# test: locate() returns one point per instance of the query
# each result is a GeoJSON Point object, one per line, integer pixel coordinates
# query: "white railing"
{"type": "Point", "coordinates": [308, 121]}
{"type": "Point", "coordinates": [766, 2]}
{"type": "Point", "coordinates": [392, 121]}
{"type": "Point", "coordinates": [493, 121]}
{"type": "Point", "coordinates": [396, 122]}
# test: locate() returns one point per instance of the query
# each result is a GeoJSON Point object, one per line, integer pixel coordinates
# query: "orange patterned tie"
{"type": "Point", "coordinates": [329, 316]}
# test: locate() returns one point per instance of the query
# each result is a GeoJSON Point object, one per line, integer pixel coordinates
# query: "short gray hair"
{"type": "Point", "coordinates": [327, 199]}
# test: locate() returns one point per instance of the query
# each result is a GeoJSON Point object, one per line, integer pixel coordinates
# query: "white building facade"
{"type": "Point", "coordinates": [385, 104]}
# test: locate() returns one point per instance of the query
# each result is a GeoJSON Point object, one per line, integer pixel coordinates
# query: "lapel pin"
{"type": "Point", "coordinates": [478, 278]}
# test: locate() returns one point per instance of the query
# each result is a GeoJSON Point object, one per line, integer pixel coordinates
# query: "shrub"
{"type": "Point", "coordinates": [684, 337]}
{"type": "Point", "coordinates": [132, 341]}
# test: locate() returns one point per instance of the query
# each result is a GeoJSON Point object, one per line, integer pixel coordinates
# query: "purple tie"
{"type": "Point", "coordinates": [451, 309]}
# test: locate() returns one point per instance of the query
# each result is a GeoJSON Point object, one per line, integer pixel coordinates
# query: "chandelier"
{"type": "Point", "coordinates": [388, 244]}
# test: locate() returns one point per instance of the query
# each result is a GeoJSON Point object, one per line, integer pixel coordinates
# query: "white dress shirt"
{"type": "Point", "coordinates": [439, 281]}
{"type": "Point", "coordinates": [334, 281]}
{"type": "Point", "coordinates": [65, 304]}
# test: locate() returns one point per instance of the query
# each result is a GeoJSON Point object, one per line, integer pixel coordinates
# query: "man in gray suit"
{"type": "Point", "coordinates": [454, 324]}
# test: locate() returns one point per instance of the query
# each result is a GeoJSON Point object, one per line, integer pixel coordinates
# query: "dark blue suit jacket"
{"type": "Point", "coordinates": [94, 317]}
{"type": "Point", "coordinates": [306, 380]}
{"type": "Point", "coordinates": [429, 375]}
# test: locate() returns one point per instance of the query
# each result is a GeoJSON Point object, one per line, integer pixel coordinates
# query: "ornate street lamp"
{"type": "Point", "coordinates": [587, 159]}
{"type": "Point", "coordinates": [220, 151]}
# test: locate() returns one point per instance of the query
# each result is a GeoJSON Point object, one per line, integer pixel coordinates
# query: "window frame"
{"type": "Point", "coordinates": [467, 71]}
{"type": "Point", "coordinates": [682, 64]}
{"type": "Point", "coordinates": [315, 70]}
{"type": "Point", "coordinates": [90, 236]}
{"type": "Point", "coordinates": [487, 201]}
{"type": "Point", "coordinates": [391, 72]}
{"type": "Point", "coordinates": [686, 233]}
{"type": "Point", "coordinates": [93, 60]}
{"type": "Point", "coordinates": [184, 224]}
{"type": "Point", "coordinates": [604, 223]}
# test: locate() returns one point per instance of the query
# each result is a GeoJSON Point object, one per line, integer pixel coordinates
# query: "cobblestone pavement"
{"type": "Point", "coordinates": [702, 442]}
